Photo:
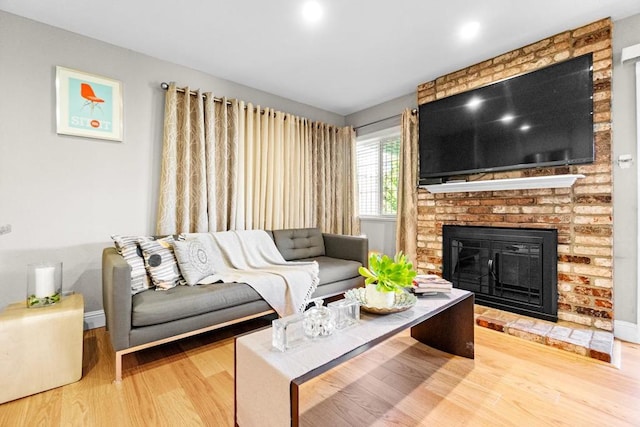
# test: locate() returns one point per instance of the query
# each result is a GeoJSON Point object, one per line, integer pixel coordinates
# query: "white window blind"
{"type": "Point", "coordinates": [378, 167]}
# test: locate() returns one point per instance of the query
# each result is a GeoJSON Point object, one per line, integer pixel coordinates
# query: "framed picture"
{"type": "Point", "coordinates": [88, 105]}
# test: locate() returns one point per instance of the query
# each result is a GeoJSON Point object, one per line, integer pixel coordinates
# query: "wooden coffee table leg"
{"type": "Point", "coordinates": [450, 331]}
{"type": "Point", "coordinates": [295, 404]}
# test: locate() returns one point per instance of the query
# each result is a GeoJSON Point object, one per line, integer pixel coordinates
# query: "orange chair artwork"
{"type": "Point", "coordinates": [86, 91]}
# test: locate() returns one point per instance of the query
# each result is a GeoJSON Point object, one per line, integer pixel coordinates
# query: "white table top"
{"type": "Point", "coordinates": [315, 353]}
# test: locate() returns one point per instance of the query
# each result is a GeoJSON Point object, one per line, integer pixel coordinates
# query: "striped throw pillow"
{"type": "Point", "coordinates": [127, 246]}
{"type": "Point", "coordinates": [160, 261]}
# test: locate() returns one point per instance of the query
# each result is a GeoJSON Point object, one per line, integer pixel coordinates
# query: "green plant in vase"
{"type": "Point", "coordinates": [385, 277]}
{"type": "Point", "coordinates": [34, 301]}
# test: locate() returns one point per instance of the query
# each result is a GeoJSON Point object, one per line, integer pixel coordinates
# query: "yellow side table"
{"type": "Point", "coordinates": [40, 348]}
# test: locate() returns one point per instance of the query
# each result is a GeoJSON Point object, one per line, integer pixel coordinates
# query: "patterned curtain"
{"type": "Point", "coordinates": [200, 170]}
{"type": "Point", "coordinates": [224, 164]}
{"type": "Point", "coordinates": [182, 204]}
{"type": "Point", "coordinates": [407, 217]}
{"type": "Point", "coordinates": [231, 166]}
{"type": "Point", "coordinates": [334, 172]}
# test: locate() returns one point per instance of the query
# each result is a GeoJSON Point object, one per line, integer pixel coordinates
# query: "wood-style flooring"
{"type": "Point", "coordinates": [511, 382]}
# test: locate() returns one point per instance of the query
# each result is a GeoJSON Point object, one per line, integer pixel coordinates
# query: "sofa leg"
{"type": "Point", "coordinates": [118, 367]}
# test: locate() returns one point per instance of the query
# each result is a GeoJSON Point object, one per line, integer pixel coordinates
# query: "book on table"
{"type": "Point", "coordinates": [431, 284]}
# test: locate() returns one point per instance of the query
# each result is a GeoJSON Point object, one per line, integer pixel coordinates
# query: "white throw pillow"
{"type": "Point", "coordinates": [195, 259]}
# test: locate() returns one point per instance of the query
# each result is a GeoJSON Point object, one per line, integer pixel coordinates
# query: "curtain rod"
{"type": "Point", "coordinates": [165, 86]}
{"type": "Point", "coordinates": [414, 111]}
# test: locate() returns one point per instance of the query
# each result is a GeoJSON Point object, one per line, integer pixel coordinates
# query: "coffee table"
{"type": "Point", "coordinates": [267, 381]}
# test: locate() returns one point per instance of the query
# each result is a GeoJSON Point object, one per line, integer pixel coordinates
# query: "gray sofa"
{"type": "Point", "coordinates": [150, 318]}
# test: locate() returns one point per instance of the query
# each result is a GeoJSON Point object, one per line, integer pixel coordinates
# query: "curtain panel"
{"type": "Point", "coordinates": [183, 193]}
{"type": "Point", "coordinates": [230, 166]}
{"type": "Point", "coordinates": [276, 172]}
{"type": "Point", "coordinates": [334, 172]}
{"type": "Point", "coordinates": [407, 215]}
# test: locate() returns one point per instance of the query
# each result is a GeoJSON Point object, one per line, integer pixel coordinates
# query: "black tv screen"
{"type": "Point", "coordinates": [539, 119]}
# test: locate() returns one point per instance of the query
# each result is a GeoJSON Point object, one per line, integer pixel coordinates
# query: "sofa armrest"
{"type": "Point", "coordinates": [353, 248]}
{"type": "Point", "coordinates": [116, 297]}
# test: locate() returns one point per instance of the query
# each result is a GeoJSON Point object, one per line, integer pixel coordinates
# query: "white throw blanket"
{"type": "Point", "coordinates": [252, 257]}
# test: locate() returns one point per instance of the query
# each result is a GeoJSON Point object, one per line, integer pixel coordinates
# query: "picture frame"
{"type": "Point", "coordinates": [88, 105]}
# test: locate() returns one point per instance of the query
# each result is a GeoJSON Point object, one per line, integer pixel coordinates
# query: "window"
{"type": "Point", "coordinates": [378, 169]}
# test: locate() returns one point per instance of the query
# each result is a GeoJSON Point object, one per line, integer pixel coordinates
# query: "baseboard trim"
{"type": "Point", "coordinates": [94, 319]}
{"type": "Point", "coordinates": [626, 331]}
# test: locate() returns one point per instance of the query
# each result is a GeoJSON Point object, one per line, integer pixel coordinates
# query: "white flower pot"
{"type": "Point", "coordinates": [378, 299]}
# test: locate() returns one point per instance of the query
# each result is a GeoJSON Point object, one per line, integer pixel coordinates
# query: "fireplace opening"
{"type": "Point", "coordinates": [513, 269]}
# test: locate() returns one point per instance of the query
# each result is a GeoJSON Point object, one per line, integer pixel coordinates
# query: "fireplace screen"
{"type": "Point", "coordinates": [509, 269]}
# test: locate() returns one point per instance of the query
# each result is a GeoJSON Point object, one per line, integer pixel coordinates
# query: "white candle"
{"type": "Point", "coordinates": [45, 282]}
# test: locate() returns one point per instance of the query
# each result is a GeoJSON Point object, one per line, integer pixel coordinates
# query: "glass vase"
{"type": "Point", "coordinates": [44, 284]}
{"type": "Point", "coordinates": [287, 332]}
{"type": "Point", "coordinates": [346, 312]}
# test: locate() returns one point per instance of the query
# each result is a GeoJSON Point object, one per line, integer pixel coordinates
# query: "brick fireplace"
{"type": "Point", "coordinates": [582, 214]}
{"type": "Point", "coordinates": [513, 269]}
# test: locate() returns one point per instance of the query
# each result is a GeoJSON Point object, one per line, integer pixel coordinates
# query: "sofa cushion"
{"type": "Point", "coordinates": [334, 269]}
{"type": "Point", "coordinates": [299, 243]}
{"type": "Point", "coordinates": [152, 308]}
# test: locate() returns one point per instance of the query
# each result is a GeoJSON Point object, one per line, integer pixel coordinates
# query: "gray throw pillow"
{"type": "Point", "coordinates": [195, 260]}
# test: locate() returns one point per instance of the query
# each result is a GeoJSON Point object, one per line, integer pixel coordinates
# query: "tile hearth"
{"type": "Point", "coordinates": [593, 343]}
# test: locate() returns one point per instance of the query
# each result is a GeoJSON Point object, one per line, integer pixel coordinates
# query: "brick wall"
{"type": "Point", "coordinates": [581, 214]}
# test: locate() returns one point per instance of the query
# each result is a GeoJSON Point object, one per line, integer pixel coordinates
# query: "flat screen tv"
{"type": "Point", "coordinates": [539, 119]}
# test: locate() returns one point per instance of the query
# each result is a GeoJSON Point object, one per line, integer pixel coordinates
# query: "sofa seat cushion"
{"type": "Point", "coordinates": [152, 308]}
{"type": "Point", "coordinates": [335, 269]}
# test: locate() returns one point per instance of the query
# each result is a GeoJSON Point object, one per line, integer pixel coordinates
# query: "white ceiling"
{"type": "Point", "coordinates": [362, 53]}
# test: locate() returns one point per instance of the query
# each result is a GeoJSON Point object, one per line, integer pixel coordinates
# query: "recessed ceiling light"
{"type": "Point", "coordinates": [469, 30]}
{"type": "Point", "coordinates": [312, 11]}
{"type": "Point", "coordinates": [525, 128]}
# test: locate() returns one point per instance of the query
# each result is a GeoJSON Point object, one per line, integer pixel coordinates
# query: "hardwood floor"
{"type": "Point", "coordinates": [400, 383]}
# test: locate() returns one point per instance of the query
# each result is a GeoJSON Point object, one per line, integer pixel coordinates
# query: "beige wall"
{"type": "Point", "coordinates": [64, 196]}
